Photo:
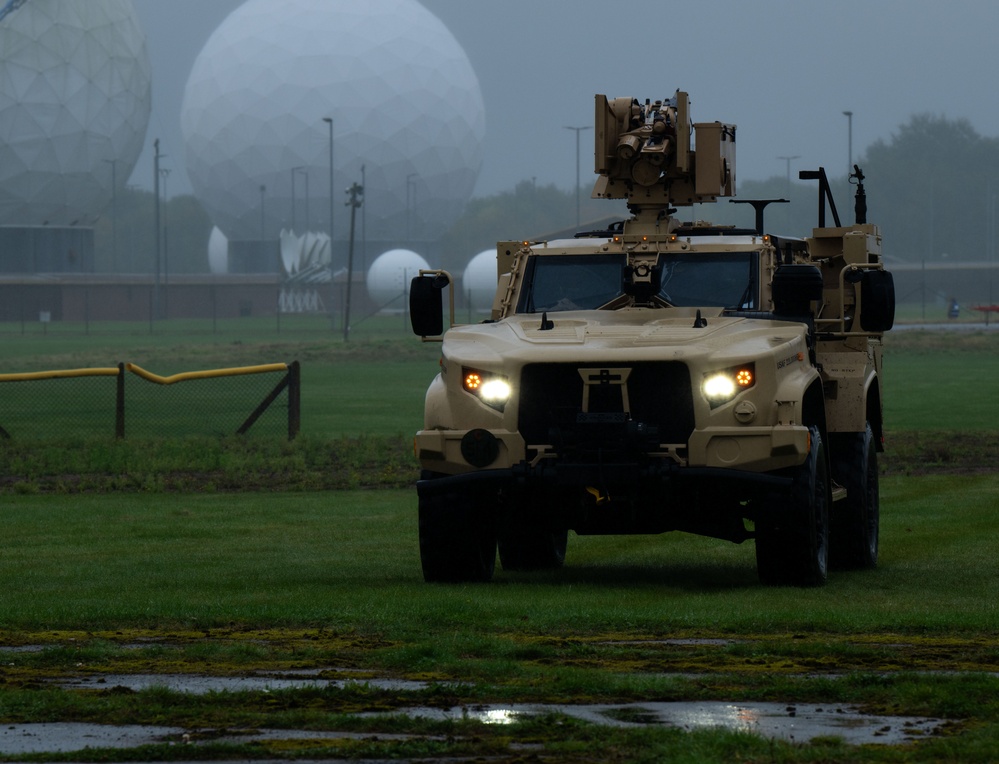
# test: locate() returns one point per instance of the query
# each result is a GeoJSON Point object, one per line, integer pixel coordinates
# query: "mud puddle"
{"type": "Point", "coordinates": [198, 684]}
{"type": "Point", "coordinates": [70, 737]}
{"type": "Point", "coordinates": [770, 720]}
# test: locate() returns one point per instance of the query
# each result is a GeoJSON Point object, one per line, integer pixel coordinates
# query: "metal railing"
{"type": "Point", "coordinates": [213, 401]}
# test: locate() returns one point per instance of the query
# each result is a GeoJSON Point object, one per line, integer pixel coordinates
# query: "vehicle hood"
{"type": "Point", "coordinates": [632, 334]}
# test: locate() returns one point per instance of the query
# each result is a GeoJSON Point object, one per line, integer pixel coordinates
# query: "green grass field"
{"type": "Point", "coordinates": [192, 555]}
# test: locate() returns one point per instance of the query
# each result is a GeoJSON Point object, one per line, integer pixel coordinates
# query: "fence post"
{"type": "Point", "coordinates": [294, 399]}
{"type": "Point", "coordinates": [119, 418]}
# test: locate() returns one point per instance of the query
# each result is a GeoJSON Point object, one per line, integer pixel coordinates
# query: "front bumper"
{"type": "Point", "coordinates": [740, 449]}
{"type": "Point", "coordinates": [556, 474]}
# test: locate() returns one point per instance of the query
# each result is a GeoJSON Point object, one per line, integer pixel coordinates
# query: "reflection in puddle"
{"type": "Point", "coordinates": [772, 720]}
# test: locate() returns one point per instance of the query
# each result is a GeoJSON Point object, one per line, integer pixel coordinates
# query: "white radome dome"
{"type": "Point", "coordinates": [479, 280]}
{"type": "Point", "coordinates": [74, 106]}
{"type": "Point", "coordinates": [404, 102]}
{"type": "Point", "coordinates": [389, 276]}
{"type": "Point", "coordinates": [218, 251]}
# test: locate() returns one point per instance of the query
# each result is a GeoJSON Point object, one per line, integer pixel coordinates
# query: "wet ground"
{"type": "Point", "coordinates": [71, 737]}
{"type": "Point", "coordinates": [799, 723]}
{"type": "Point", "coordinates": [771, 720]}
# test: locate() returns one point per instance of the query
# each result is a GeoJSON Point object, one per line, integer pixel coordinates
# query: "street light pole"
{"type": "Point", "coordinates": [329, 121]}
{"type": "Point", "coordinates": [849, 142]}
{"type": "Point", "coordinates": [577, 130]}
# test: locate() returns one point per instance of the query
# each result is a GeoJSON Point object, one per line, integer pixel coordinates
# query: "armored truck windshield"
{"type": "Point", "coordinates": [589, 282]}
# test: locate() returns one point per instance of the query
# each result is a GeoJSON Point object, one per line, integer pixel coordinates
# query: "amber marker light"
{"type": "Point", "coordinates": [492, 389]}
{"type": "Point", "coordinates": [722, 386]}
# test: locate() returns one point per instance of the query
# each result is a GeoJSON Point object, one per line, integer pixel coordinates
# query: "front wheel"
{"type": "Point", "coordinates": [855, 522]}
{"type": "Point", "coordinates": [792, 538]}
{"type": "Point", "coordinates": [457, 537]}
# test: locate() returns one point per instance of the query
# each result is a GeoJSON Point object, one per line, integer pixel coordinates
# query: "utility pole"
{"type": "Point", "coordinates": [356, 192]}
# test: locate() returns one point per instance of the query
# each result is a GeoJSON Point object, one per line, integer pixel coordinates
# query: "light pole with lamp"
{"type": "Point", "coordinates": [577, 130]}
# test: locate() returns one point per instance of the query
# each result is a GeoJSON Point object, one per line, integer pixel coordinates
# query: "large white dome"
{"type": "Point", "coordinates": [404, 102]}
{"type": "Point", "coordinates": [389, 276]}
{"type": "Point", "coordinates": [74, 105]}
{"type": "Point", "coordinates": [479, 280]}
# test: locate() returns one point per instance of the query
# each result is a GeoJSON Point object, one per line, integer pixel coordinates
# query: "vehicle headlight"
{"type": "Point", "coordinates": [492, 389]}
{"type": "Point", "coordinates": [722, 386]}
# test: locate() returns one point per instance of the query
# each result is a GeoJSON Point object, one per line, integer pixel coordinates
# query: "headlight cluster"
{"type": "Point", "coordinates": [722, 386]}
{"type": "Point", "coordinates": [492, 389]}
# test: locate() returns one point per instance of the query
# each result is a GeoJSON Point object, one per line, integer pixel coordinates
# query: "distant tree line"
{"type": "Point", "coordinates": [933, 187]}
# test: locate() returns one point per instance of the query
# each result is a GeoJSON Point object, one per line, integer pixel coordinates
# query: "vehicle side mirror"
{"type": "Point", "coordinates": [877, 301]}
{"type": "Point", "coordinates": [426, 305]}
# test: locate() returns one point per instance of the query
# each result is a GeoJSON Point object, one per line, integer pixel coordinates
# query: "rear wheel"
{"type": "Point", "coordinates": [855, 522]}
{"type": "Point", "coordinates": [457, 537]}
{"type": "Point", "coordinates": [792, 538]}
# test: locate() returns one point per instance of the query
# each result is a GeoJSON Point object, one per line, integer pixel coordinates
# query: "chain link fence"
{"type": "Point", "coordinates": [128, 400]}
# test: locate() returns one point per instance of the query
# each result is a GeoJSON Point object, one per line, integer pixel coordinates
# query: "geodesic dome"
{"type": "Point", "coordinates": [74, 106]}
{"type": "Point", "coordinates": [406, 110]}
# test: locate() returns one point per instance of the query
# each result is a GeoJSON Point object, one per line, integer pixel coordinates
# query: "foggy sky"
{"type": "Point", "coordinates": [784, 71]}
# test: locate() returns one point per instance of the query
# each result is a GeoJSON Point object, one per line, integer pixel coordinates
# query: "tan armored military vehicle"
{"type": "Point", "coordinates": [661, 376]}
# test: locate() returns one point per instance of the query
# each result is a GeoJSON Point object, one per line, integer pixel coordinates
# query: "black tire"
{"type": "Point", "coordinates": [533, 549]}
{"type": "Point", "coordinates": [457, 539]}
{"type": "Point", "coordinates": [792, 538]}
{"type": "Point", "coordinates": [855, 522]}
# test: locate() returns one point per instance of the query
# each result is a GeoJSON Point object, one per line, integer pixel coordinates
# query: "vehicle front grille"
{"type": "Point", "coordinates": [658, 395]}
